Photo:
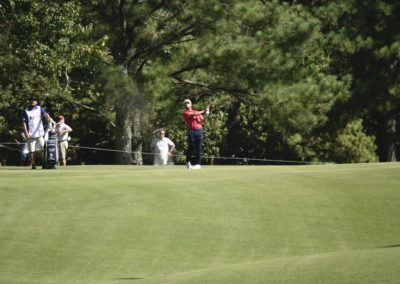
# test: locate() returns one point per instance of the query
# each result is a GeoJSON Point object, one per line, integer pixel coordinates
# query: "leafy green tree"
{"type": "Point", "coordinates": [41, 45]}
{"type": "Point", "coordinates": [266, 67]}
{"type": "Point", "coordinates": [282, 77]}
{"type": "Point", "coordinates": [353, 145]}
{"type": "Point", "coordinates": [364, 37]}
{"type": "Point", "coordinates": [143, 35]}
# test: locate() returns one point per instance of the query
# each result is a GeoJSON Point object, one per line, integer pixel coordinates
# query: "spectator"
{"type": "Point", "coordinates": [33, 127]}
{"type": "Point", "coordinates": [63, 131]}
{"type": "Point", "coordinates": [163, 148]}
{"type": "Point", "coordinates": [194, 120]}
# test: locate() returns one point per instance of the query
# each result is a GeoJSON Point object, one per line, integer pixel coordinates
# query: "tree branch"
{"type": "Point", "coordinates": [214, 88]}
{"type": "Point", "coordinates": [130, 29]}
{"type": "Point", "coordinates": [99, 114]}
{"type": "Point", "coordinates": [188, 68]}
{"type": "Point", "coordinates": [172, 38]}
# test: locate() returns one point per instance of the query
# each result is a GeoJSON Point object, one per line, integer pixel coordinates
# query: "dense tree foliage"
{"type": "Point", "coordinates": [295, 80]}
{"type": "Point", "coordinates": [41, 45]}
{"type": "Point", "coordinates": [365, 45]}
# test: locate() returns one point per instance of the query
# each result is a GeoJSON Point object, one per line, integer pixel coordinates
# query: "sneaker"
{"type": "Point", "coordinates": [196, 167]}
{"type": "Point", "coordinates": [188, 166]}
{"type": "Point", "coordinates": [33, 167]}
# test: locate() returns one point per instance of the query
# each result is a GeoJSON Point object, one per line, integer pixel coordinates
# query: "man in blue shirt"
{"type": "Point", "coordinates": [32, 125]}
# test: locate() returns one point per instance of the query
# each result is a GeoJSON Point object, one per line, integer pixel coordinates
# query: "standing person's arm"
{"type": "Point", "coordinates": [66, 129]}
{"type": "Point", "coordinates": [47, 116]}
{"type": "Point", "coordinates": [206, 111]}
{"type": "Point", "coordinates": [195, 112]}
{"type": "Point", "coordinates": [192, 113]}
{"type": "Point", "coordinates": [171, 148]}
{"type": "Point", "coordinates": [25, 126]}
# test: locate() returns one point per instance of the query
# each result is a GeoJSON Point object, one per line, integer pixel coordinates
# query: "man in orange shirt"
{"type": "Point", "coordinates": [194, 120]}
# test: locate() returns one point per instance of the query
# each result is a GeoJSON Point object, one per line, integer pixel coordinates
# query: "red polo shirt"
{"type": "Point", "coordinates": [193, 122]}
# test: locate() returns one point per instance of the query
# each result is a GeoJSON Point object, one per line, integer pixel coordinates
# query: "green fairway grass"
{"type": "Point", "coordinates": [220, 224]}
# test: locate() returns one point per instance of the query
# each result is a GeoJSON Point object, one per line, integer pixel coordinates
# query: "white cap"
{"type": "Point", "coordinates": [187, 101]}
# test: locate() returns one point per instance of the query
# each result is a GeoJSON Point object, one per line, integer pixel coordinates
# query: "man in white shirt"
{"type": "Point", "coordinates": [33, 127]}
{"type": "Point", "coordinates": [163, 148]}
{"type": "Point", "coordinates": [62, 131]}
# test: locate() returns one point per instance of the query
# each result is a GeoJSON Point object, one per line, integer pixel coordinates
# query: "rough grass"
{"type": "Point", "coordinates": [259, 224]}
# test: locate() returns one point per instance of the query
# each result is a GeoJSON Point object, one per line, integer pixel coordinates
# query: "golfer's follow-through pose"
{"type": "Point", "coordinates": [194, 120]}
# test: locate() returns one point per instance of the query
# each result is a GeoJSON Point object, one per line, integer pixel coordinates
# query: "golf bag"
{"type": "Point", "coordinates": [50, 160]}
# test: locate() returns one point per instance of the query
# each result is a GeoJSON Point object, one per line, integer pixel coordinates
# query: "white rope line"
{"type": "Point", "coordinates": [9, 148]}
{"type": "Point", "coordinates": [244, 159]}
{"type": "Point", "coordinates": [203, 157]}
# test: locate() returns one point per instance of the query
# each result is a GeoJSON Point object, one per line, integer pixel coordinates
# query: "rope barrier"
{"type": "Point", "coordinates": [204, 157]}
{"type": "Point", "coordinates": [9, 148]}
{"type": "Point", "coordinates": [243, 159]}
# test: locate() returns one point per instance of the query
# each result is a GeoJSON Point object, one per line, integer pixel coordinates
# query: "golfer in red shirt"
{"type": "Point", "coordinates": [194, 120]}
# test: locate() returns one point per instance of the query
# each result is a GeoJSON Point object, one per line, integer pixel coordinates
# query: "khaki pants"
{"type": "Point", "coordinates": [35, 144]}
{"type": "Point", "coordinates": [63, 146]}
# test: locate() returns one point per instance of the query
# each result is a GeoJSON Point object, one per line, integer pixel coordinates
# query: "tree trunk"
{"type": "Point", "coordinates": [136, 138]}
{"type": "Point", "coordinates": [387, 138]}
{"type": "Point", "coordinates": [128, 136]}
{"type": "Point", "coordinates": [123, 132]}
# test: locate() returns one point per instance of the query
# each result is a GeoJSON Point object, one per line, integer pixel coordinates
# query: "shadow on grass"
{"type": "Point", "coordinates": [127, 278]}
{"type": "Point", "coordinates": [389, 246]}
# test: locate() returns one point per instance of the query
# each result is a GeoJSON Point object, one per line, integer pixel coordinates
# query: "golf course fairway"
{"type": "Point", "coordinates": [221, 224]}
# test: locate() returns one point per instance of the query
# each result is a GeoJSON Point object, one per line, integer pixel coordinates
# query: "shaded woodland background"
{"type": "Point", "coordinates": [295, 80]}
